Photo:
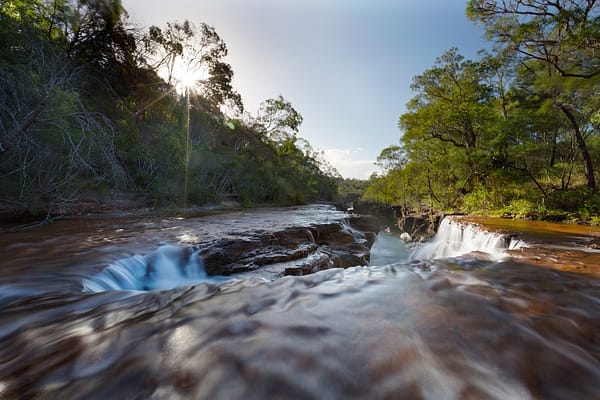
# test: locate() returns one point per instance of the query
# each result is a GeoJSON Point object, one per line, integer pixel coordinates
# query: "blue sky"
{"type": "Point", "coordinates": [345, 65]}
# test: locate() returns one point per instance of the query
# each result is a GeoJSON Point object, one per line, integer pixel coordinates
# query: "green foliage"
{"type": "Point", "coordinates": [558, 44]}
{"type": "Point", "coordinates": [514, 133]}
{"type": "Point", "coordinates": [520, 209]}
{"type": "Point", "coordinates": [278, 120]}
{"type": "Point", "coordinates": [351, 190]}
{"type": "Point", "coordinates": [83, 105]}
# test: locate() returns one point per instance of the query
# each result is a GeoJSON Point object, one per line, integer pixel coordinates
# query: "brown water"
{"type": "Point", "coordinates": [457, 328]}
{"type": "Point", "coordinates": [563, 247]}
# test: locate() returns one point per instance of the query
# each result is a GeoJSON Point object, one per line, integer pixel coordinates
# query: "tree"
{"type": "Point", "coordinates": [278, 120]}
{"type": "Point", "coordinates": [456, 107]}
{"type": "Point", "coordinates": [84, 108]}
{"type": "Point", "coordinates": [562, 34]}
{"type": "Point", "coordinates": [50, 137]}
{"type": "Point", "coordinates": [453, 103]}
{"type": "Point", "coordinates": [190, 58]}
{"type": "Point", "coordinates": [391, 158]}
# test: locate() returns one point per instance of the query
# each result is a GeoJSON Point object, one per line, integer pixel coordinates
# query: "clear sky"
{"type": "Point", "coordinates": [345, 65]}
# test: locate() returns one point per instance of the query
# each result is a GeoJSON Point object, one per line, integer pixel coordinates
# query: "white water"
{"type": "Point", "coordinates": [171, 266]}
{"type": "Point", "coordinates": [454, 239]}
{"type": "Point", "coordinates": [167, 267]}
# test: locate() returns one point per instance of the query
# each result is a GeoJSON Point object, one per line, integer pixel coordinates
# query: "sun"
{"type": "Point", "coordinates": [187, 79]}
{"type": "Point", "coordinates": [184, 75]}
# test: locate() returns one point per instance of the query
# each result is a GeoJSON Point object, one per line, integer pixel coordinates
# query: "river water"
{"type": "Point", "coordinates": [488, 324]}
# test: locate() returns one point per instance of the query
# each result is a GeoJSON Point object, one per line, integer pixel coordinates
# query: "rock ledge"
{"type": "Point", "coordinates": [294, 250]}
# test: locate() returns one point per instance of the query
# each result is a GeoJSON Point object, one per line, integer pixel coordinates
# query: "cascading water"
{"type": "Point", "coordinates": [167, 267]}
{"type": "Point", "coordinates": [454, 239]}
{"type": "Point", "coordinates": [358, 235]}
{"type": "Point", "coordinates": [454, 328]}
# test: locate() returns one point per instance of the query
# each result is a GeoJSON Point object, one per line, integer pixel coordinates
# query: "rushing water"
{"type": "Point", "coordinates": [456, 238]}
{"type": "Point", "coordinates": [168, 267]}
{"type": "Point", "coordinates": [460, 327]}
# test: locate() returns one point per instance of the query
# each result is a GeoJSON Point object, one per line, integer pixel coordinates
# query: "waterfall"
{"type": "Point", "coordinates": [167, 267]}
{"type": "Point", "coordinates": [455, 238]}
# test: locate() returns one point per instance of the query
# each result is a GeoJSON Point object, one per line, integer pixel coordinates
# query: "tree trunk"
{"type": "Point", "coordinates": [22, 129]}
{"type": "Point", "coordinates": [587, 159]}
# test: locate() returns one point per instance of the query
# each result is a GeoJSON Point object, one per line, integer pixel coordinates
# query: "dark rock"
{"type": "Point", "coordinates": [227, 251]}
{"type": "Point", "coordinates": [299, 250]}
{"type": "Point", "coordinates": [370, 237]}
{"type": "Point", "coordinates": [419, 225]}
{"type": "Point", "coordinates": [317, 263]}
{"type": "Point", "coordinates": [350, 255]}
{"type": "Point", "coordinates": [321, 230]}
{"type": "Point", "coordinates": [336, 237]}
{"type": "Point", "coordinates": [292, 236]}
{"type": "Point", "coordinates": [365, 223]}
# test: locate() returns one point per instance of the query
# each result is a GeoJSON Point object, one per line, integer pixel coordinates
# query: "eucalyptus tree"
{"type": "Point", "coordinates": [191, 58]}
{"type": "Point", "coordinates": [278, 120]}
{"type": "Point", "coordinates": [563, 35]}
{"type": "Point", "coordinates": [391, 158]}
{"type": "Point", "coordinates": [449, 124]}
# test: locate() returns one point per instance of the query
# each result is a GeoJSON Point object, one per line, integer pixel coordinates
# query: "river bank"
{"type": "Point", "coordinates": [557, 246]}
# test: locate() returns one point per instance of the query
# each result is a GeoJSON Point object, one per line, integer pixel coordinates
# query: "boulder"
{"type": "Point", "coordinates": [297, 250]}
{"type": "Point", "coordinates": [365, 223]}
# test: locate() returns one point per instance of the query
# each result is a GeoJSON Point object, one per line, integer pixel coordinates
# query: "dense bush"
{"type": "Point", "coordinates": [88, 103]}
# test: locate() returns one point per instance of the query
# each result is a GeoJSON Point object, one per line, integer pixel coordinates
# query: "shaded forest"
{"type": "Point", "coordinates": [93, 109]}
{"type": "Point", "coordinates": [515, 132]}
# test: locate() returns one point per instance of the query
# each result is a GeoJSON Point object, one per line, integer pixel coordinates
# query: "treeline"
{"type": "Point", "coordinates": [514, 132]}
{"type": "Point", "coordinates": [91, 104]}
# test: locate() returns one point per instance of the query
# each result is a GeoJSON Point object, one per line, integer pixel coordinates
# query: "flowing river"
{"type": "Point", "coordinates": [477, 313]}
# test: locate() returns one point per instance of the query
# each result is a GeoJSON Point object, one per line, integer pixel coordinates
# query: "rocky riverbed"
{"type": "Point", "coordinates": [267, 243]}
{"type": "Point", "coordinates": [483, 324]}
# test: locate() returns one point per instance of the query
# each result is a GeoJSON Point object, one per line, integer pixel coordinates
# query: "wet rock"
{"type": "Point", "coordinates": [299, 250]}
{"type": "Point", "coordinates": [316, 263]}
{"type": "Point", "coordinates": [365, 223]}
{"type": "Point", "coordinates": [350, 255]}
{"type": "Point", "coordinates": [336, 237]}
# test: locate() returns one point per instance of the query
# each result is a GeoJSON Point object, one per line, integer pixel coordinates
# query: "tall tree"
{"type": "Point", "coordinates": [192, 58]}
{"type": "Point", "coordinates": [563, 34]}
{"type": "Point", "coordinates": [278, 120]}
{"type": "Point", "coordinates": [454, 106]}
{"type": "Point", "coordinates": [391, 158]}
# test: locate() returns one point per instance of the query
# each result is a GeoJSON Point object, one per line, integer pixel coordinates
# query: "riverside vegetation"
{"type": "Point", "coordinates": [94, 110]}
{"type": "Point", "coordinates": [513, 133]}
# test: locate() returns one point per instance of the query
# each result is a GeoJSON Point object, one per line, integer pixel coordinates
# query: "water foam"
{"type": "Point", "coordinates": [166, 268]}
{"type": "Point", "coordinates": [455, 239]}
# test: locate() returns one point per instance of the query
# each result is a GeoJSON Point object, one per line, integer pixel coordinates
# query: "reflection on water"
{"type": "Point", "coordinates": [450, 328]}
